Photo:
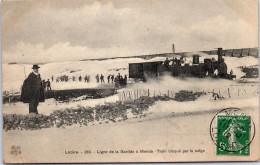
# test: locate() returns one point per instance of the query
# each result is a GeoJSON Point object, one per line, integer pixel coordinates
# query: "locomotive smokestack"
{"type": "Point", "coordinates": [173, 48]}
{"type": "Point", "coordinates": [219, 54]}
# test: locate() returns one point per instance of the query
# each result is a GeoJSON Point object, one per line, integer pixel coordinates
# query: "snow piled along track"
{"type": "Point", "coordinates": [14, 74]}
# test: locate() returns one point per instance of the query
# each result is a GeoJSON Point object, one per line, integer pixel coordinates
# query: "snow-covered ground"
{"type": "Point", "coordinates": [162, 128]}
{"type": "Point", "coordinates": [166, 85]}
{"type": "Point", "coordinates": [163, 85]}
{"type": "Point", "coordinates": [14, 75]}
{"type": "Point", "coordinates": [165, 125]}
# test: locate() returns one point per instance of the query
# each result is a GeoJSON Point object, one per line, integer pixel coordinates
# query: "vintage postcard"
{"type": "Point", "coordinates": [90, 81]}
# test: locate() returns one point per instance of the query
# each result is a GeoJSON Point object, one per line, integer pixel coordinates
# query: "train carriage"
{"type": "Point", "coordinates": [145, 70]}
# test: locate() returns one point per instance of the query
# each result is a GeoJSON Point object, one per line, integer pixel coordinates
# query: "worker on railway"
{"type": "Point", "coordinates": [231, 72]}
{"type": "Point", "coordinates": [167, 63]}
{"type": "Point", "coordinates": [125, 81]}
{"type": "Point", "coordinates": [52, 78]}
{"type": "Point", "coordinates": [97, 78]}
{"type": "Point", "coordinates": [32, 90]}
{"type": "Point", "coordinates": [102, 78]}
{"type": "Point", "coordinates": [112, 78]}
{"type": "Point", "coordinates": [182, 60]}
{"type": "Point", "coordinates": [117, 82]}
{"type": "Point", "coordinates": [80, 78]}
{"type": "Point", "coordinates": [48, 85]}
{"type": "Point", "coordinates": [121, 81]}
{"type": "Point", "coordinates": [108, 78]}
{"type": "Point", "coordinates": [118, 75]}
{"type": "Point", "coordinates": [44, 84]}
{"type": "Point", "coordinates": [174, 60]}
{"type": "Point", "coordinates": [88, 78]}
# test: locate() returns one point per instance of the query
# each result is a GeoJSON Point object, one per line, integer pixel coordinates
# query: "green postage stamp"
{"type": "Point", "coordinates": [232, 130]}
{"type": "Point", "coordinates": [233, 135]}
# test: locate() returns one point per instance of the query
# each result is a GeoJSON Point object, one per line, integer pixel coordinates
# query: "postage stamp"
{"type": "Point", "coordinates": [233, 135]}
{"type": "Point", "coordinates": [232, 132]}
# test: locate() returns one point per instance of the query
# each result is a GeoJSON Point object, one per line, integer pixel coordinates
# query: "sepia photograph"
{"type": "Point", "coordinates": [124, 81]}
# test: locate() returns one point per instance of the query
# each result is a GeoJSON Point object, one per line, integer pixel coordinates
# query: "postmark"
{"type": "Point", "coordinates": [232, 132]}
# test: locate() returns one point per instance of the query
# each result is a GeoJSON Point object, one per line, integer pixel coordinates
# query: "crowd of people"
{"type": "Point", "coordinates": [118, 81]}
{"type": "Point", "coordinates": [46, 85]}
{"type": "Point", "coordinates": [32, 90]}
{"type": "Point", "coordinates": [65, 78]}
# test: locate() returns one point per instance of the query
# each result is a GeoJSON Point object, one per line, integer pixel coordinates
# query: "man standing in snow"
{"type": "Point", "coordinates": [108, 78]}
{"type": "Point", "coordinates": [48, 85]}
{"type": "Point", "coordinates": [44, 84]}
{"type": "Point", "coordinates": [167, 63]}
{"type": "Point", "coordinates": [112, 79]}
{"type": "Point", "coordinates": [88, 78]}
{"type": "Point", "coordinates": [116, 82]}
{"type": "Point", "coordinates": [231, 72]}
{"type": "Point", "coordinates": [125, 81]}
{"type": "Point", "coordinates": [80, 78]}
{"type": "Point", "coordinates": [97, 78]}
{"type": "Point", "coordinates": [32, 90]}
{"type": "Point", "coordinates": [102, 78]}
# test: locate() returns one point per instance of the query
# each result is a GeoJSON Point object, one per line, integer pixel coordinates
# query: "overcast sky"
{"type": "Point", "coordinates": [61, 30]}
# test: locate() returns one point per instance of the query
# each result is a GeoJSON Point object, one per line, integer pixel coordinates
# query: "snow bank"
{"type": "Point", "coordinates": [14, 75]}
{"type": "Point", "coordinates": [51, 105]}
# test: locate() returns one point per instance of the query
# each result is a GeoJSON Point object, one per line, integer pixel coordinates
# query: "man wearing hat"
{"type": "Point", "coordinates": [33, 90]}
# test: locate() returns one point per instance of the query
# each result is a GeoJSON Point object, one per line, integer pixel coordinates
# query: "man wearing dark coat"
{"type": "Point", "coordinates": [80, 78]}
{"type": "Point", "coordinates": [125, 81]}
{"type": "Point", "coordinates": [44, 84]}
{"type": "Point", "coordinates": [102, 78]}
{"type": "Point", "coordinates": [108, 78]}
{"type": "Point", "coordinates": [48, 85]}
{"type": "Point", "coordinates": [112, 79]}
{"type": "Point", "coordinates": [32, 90]}
{"type": "Point", "coordinates": [97, 78]}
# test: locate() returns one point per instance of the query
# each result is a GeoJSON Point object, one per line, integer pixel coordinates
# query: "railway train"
{"type": "Point", "coordinates": [177, 68]}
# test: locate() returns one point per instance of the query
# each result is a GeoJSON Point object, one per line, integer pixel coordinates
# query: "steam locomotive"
{"type": "Point", "coordinates": [210, 67]}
